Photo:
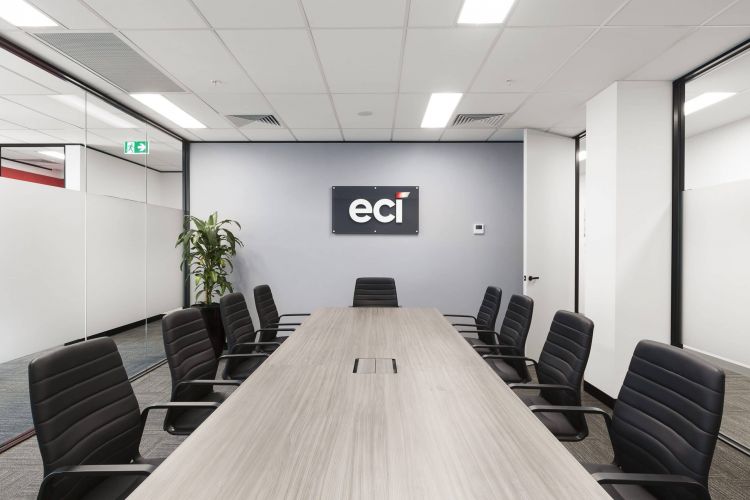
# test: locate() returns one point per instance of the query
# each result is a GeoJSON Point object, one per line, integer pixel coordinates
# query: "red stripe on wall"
{"type": "Point", "coordinates": [12, 173]}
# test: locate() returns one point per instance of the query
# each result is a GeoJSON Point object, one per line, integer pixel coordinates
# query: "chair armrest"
{"type": "Point", "coordinates": [204, 382]}
{"type": "Point", "coordinates": [494, 346]}
{"type": "Point", "coordinates": [651, 480]}
{"type": "Point", "coordinates": [460, 316]}
{"type": "Point", "coordinates": [174, 405]}
{"type": "Point", "coordinates": [553, 387]}
{"type": "Point", "coordinates": [294, 314]}
{"type": "Point", "coordinates": [225, 357]}
{"type": "Point", "coordinates": [510, 356]}
{"type": "Point", "coordinates": [591, 410]}
{"type": "Point", "coordinates": [96, 470]}
{"type": "Point", "coordinates": [251, 344]}
{"type": "Point", "coordinates": [464, 324]}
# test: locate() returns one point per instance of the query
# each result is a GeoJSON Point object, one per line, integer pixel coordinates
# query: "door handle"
{"type": "Point", "coordinates": [532, 278]}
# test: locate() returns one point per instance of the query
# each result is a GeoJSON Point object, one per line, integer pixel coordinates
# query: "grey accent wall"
{"type": "Point", "coordinates": [281, 194]}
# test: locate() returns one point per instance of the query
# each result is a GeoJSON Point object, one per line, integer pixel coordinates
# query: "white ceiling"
{"type": "Point", "coordinates": [317, 64]}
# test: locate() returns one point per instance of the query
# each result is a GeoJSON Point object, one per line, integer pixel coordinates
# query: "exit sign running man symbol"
{"type": "Point", "coordinates": [136, 147]}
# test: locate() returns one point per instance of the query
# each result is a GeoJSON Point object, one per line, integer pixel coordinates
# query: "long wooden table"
{"type": "Point", "coordinates": [304, 426]}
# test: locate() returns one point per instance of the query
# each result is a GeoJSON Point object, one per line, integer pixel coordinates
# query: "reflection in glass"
{"type": "Point", "coordinates": [716, 205]}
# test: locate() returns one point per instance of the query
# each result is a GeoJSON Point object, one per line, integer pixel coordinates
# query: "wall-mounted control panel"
{"type": "Point", "coordinates": [479, 228]}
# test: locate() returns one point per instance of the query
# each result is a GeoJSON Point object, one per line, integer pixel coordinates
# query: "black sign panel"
{"type": "Point", "coordinates": [375, 209]}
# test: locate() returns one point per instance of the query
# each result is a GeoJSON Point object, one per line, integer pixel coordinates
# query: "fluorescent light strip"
{"type": "Point", "coordinates": [21, 14]}
{"type": "Point", "coordinates": [169, 110]}
{"type": "Point", "coordinates": [93, 110]}
{"type": "Point", "coordinates": [484, 11]}
{"type": "Point", "coordinates": [440, 109]}
{"type": "Point", "coordinates": [53, 154]}
{"type": "Point", "coordinates": [705, 100]}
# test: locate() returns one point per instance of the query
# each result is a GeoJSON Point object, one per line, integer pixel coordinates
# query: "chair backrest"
{"type": "Point", "coordinates": [515, 329]}
{"type": "Point", "coordinates": [667, 416]}
{"type": "Point", "coordinates": [84, 411]}
{"type": "Point", "coordinates": [235, 316]}
{"type": "Point", "coordinates": [190, 354]}
{"type": "Point", "coordinates": [488, 311]}
{"type": "Point", "coordinates": [564, 357]}
{"type": "Point", "coordinates": [375, 292]}
{"type": "Point", "coordinates": [268, 315]}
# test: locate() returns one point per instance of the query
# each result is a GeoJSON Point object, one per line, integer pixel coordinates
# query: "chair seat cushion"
{"type": "Point", "coordinates": [555, 422]}
{"type": "Point", "coordinates": [115, 487]}
{"type": "Point", "coordinates": [619, 491]}
{"type": "Point", "coordinates": [186, 421]}
{"type": "Point", "coordinates": [505, 371]}
{"type": "Point", "coordinates": [240, 369]}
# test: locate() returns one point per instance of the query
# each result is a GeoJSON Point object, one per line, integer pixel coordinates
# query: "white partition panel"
{"type": "Point", "coordinates": [716, 271]}
{"type": "Point", "coordinates": [116, 262]}
{"type": "Point", "coordinates": [41, 267]}
{"type": "Point", "coordinates": [164, 278]}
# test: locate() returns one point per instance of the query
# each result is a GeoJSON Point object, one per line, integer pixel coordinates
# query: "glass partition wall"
{"type": "Point", "coordinates": [91, 204]}
{"type": "Point", "coordinates": [715, 241]}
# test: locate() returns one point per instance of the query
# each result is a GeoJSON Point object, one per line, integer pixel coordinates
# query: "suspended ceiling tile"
{"type": "Point", "coordinates": [365, 110]}
{"type": "Point", "coordinates": [195, 58]}
{"type": "Point", "coordinates": [277, 60]}
{"type": "Point", "coordinates": [523, 58]}
{"type": "Point", "coordinates": [252, 13]}
{"type": "Point", "coordinates": [355, 13]}
{"type": "Point", "coordinates": [360, 60]}
{"type": "Point", "coordinates": [443, 59]}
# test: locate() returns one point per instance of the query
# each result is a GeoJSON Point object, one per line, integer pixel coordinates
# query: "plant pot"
{"type": "Point", "coordinates": [212, 319]}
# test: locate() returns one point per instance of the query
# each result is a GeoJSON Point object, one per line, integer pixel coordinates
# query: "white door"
{"type": "Point", "coordinates": [549, 230]}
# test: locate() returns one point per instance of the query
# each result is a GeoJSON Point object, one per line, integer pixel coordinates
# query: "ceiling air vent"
{"type": "Point", "coordinates": [245, 120]}
{"type": "Point", "coordinates": [112, 59]}
{"type": "Point", "coordinates": [483, 120]}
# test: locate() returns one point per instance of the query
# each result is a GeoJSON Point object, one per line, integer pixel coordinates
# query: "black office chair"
{"type": "Point", "coordinates": [511, 340]}
{"type": "Point", "coordinates": [560, 373]}
{"type": "Point", "coordinates": [88, 424]}
{"type": "Point", "coordinates": [663, 428]}
{"type": "Point", "coordinates": [375, 292]}
{"type": "Point", "coordinates": [268, 315]}
{"type": "Point", "coordinates": [485, 320]}
{"type": "Point", "coordinates": [193, 365]}
{"type": "Point", "coordinates": [240, 332]}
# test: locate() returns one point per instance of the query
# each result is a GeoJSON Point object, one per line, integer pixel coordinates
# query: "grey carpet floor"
{"type": "Point", "coordinates": [21, 468]}
{"type": "Point", "coordinates": [139, 347]}
{"type": "Point", "coordinates": [736, 420]}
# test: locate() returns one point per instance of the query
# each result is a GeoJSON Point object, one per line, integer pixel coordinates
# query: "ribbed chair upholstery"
{"type": "Point", "coordinates": [268, 314]}
{"type": "Point", "coordinates": [560, 373]}
{"type": "Point", "coordinates": [88, 423]}
{"type": "Point", "coordinates": [485, 320]}
{"type": "Point", "coordinates": [512, 340]}
{"type": "Point", "coordinates": [663, 428]}
{"type": "Point", "coordinates": [240, 331]}
{"type": "Point", "coordinates": [375, 292]}
{"type": "Point", "coordinates": [193, 365]}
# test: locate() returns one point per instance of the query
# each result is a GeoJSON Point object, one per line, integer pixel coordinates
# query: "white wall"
{"type": "Point", "coordinates": [628, 249]}
{"type": "Point", "coordinates": [111, 176]}
{"type": "Point", "coordinates": [165, 189]}
{"type": "Point", "coordinates": [281, 194]}
{"type": "Point", "coordinates": [41, 267]}
{"type": "Point", "coordinates": [718, 156]}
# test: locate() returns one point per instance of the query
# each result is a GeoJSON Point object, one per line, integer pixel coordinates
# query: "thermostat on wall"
{"type": "Point", "coordinates": [479, 228]}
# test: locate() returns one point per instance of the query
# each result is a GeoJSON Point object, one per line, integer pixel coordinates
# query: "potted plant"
{"type": "Point", "coordinates": [208, 246]}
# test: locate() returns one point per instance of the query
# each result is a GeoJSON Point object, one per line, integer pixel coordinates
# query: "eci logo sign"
{"type": "Point", "coordinates": [375, 209]}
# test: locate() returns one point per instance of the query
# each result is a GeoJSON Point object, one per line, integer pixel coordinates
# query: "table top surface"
{"type": "Point", "coordinates": [304, 426]}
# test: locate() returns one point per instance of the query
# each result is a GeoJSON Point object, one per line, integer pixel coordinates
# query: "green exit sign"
{"type": "Point", "coordinates": [136, 147]}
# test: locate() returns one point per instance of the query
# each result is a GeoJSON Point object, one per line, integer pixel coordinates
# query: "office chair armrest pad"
{"type": "Point", "coordinates": [555, 387]}
{"type": "Point", "coordinates": [465, 324]}
{"type": "Point", "coordinates": [276, 325]}
{"type": "Point", "coordinates": [205, 382]}
{"type": "Point", "coordinates": [104, 470]}
{"type": "Point", "coordinates": [592, 410]}
{"type": "Point", "coordinates": [460, 316]}
{"type": "Point", "coordinates": [294, 314]}
{"type": "Point", "coordinates": [509, 356]}
{"type": "Point", "coordinates": [648, 480]}
{"type": "Point", "coordinates": [494, 346]}
{"type": "Point", "coordinates": [252, 344]}
{"type": "Point", "coordinates": [246, 355]}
